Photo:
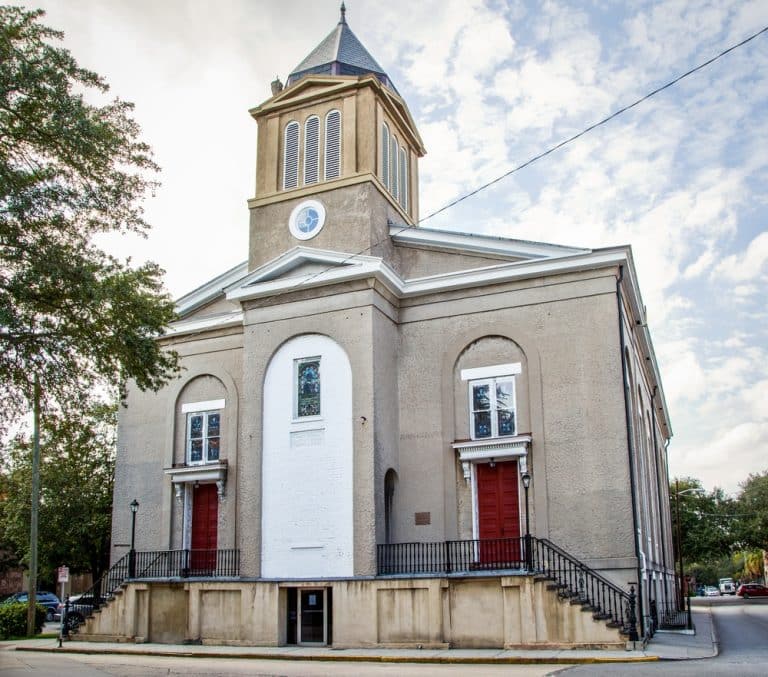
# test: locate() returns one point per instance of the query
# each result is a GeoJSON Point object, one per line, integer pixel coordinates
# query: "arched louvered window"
{"type": "Point", "coordinates": [312, 150]}
{"type": "Point", "coordinates": [291, 156]}
{"type": "Point", "coordinates": [404, 178]}
{"type": "Point", "coordinates": [332, 145]}
{"type": "Point", "coordinates": [394, 163]}
{"type": "Point", "coordinates": [385, 154]}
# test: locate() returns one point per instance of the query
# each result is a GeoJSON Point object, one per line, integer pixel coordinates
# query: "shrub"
{"type": "Point", "coordinates": [13, 620]}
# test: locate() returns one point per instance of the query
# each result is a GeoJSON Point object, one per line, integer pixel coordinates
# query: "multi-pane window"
{"type": "Point", "coordinates": [312, 150]}
{"type": "Point", "coordinates": [203, 437]}
{"type": "Point", "coordinates": [291, 156]}
{"type": "Point", "coordinates": [307, 387]}
{"type": "Point", "coordinates": [332, 145]}
{"type": "Point", "coordinates": [492, 407]}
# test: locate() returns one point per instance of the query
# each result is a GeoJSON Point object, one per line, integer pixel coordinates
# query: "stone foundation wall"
{"type": "Point", "coordinates": [471, 612]}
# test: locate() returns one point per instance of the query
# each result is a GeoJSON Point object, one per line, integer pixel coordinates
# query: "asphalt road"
{"type": "Point", "coordinates": [741, 627]}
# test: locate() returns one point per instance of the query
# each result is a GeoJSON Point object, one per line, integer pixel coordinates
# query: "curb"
{"type": "Point", "coordinates": [468, 660]}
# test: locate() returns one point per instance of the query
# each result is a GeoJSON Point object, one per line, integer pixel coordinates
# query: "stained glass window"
{"type": "Point", "coordinates": [203, 437]}
{"type": "Point", "coordinates": [493, 407]}
{"type": "Point", "coordinates": [308, 387]}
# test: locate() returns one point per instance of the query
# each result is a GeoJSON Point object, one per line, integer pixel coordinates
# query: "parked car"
{"type": "Point", "coordinates": [711, 591]}
{"type": "Point", "coordinates": [46, 599]}
{"type": "Point", "coordinates": [80, 607]}
{"type": "Point", "coordinates": [748, 590]}
{"type": "Point", "coordinates": [727, 586]}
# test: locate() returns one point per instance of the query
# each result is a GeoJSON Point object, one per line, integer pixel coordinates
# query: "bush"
{"type": "Point", "coordinates": [13, 620]}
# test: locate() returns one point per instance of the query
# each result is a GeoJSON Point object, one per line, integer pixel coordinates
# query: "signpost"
{"type": "Point", "coordinates": [63, 577]}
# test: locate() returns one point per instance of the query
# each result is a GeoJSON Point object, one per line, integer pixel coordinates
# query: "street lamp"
{"type": "Point", "coordinates": [132, 554]}
{"type": "Point", "coordinates": [678, 494]}
{"type": "Point", "coordinates": [528, 560]}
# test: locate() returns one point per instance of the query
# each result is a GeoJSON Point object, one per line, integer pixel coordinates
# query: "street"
{"type": "Point", "coordinates": [741, 627]}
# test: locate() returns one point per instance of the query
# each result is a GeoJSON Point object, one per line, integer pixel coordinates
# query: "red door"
{"type": "Point", "coordinates": [498, 505]}
{"type": "Point", "coordinates": [205, 522]}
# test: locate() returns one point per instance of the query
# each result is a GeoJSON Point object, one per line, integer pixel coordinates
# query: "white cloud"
{"type": "Point", "coordinates": [746, 265]}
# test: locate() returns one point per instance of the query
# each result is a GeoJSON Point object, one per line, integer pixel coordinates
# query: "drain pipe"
{"type": "Point", "coordinates": [631, 453]}
{"type": "Point", "coordinates": [658, 479]}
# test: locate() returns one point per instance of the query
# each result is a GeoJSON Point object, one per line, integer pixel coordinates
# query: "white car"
{"type": "Point", "coordinates": [711, 591]}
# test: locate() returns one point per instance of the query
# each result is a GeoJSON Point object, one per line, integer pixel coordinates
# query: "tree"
{"type": "Point", "coordinates": [752, 504]}
{"type": "Point", "coordinates": [706, 527]}
{"type": "Point", "coordinates": [71, 316]}
{"type": "Point", "coordinates": [77, 464]}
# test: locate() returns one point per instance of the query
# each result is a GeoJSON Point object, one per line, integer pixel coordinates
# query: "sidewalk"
{"type": "Point", "coordinates": [664, 646]}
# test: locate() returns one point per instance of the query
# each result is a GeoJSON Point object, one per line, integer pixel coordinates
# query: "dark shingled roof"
{"type": "Point", "coordinates": [341, 53]}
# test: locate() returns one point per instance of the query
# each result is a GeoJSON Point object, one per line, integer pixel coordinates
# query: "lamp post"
{"type": "Point", "coordinates": [528, 559]}
{"type": "Point", "coordinates": [132, 553]}
{"type": "Point", "coordinates": [678, 494]}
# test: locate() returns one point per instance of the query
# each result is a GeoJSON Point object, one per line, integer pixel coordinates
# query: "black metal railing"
{"type": "Point", "coordinates": [572, 579]}
{"type": "Point", "coordinates": [447, 557]}
{"type": "Point", "coordinates": [669, 615]}
{"type": "Point", "coordinates": [161, 564]}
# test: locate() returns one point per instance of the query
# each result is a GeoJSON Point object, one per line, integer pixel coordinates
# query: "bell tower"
{"type": "Point", "coordinates": [337, 155]}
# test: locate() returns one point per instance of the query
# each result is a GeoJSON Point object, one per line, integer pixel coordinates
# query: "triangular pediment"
{"type": "Point", "coordinates": [302, 266]}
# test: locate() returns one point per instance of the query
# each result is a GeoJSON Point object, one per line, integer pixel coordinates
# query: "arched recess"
{"type": "Point", "coordinates": [307, 515]}
{"type": "Point", "coordinates": [208, 389]}
{"type": "Point", "coordinates": [455, 485]}
{"type": "Point", "coordinates": [390, 487]}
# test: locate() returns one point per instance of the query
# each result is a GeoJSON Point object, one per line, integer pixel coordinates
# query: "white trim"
{"type": "Point", "coordinates": [207, 405]}
{"type": "Point", "coordinates": [491, 372]}
{"type": "Point", "coordinates": [211, 289]}
{"type": "Point", "coordinates": [497, 448]}
{"type": "Point", "coordinates": [293, 226]}
{"type": "Point", "coordinates": [196, 325]}
{"type": "Point", "coordinates": [482, 244]}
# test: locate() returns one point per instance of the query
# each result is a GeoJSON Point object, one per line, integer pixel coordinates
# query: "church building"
{"type": "Point", "coordinates": [385, 434]}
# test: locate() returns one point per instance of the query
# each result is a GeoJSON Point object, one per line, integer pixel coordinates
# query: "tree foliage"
{"type": "Point", "coordinates": [753, 505]}
{"type": "Point", "coordinates": [70, 315]}
{"type": "Point", "coordinates": [76, 470]}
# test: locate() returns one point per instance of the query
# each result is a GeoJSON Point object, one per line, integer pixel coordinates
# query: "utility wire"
{"type": "Point", "coordinates": [544, 154]}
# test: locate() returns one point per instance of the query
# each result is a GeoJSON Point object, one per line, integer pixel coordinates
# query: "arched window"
{"type": "Point", "coordinates": [404, 178]}
{"type": "Point", "coordinates": [393, 164]}
{"type": "Point", "coordinates": [332, 145]}
{"type": "Point", "coordinates": [385, 154]}
{"type": "Point", "coordinates": [312, 150]}
{"type": "Point", "coordinates": [390, 481]}
{"type": "Point", "coordinates": [291, 156]}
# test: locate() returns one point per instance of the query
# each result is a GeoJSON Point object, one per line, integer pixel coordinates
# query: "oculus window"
{"type": "Point", "coordinates": [203, 437]}
{"type": "Point", "coordinates": [307, 387]}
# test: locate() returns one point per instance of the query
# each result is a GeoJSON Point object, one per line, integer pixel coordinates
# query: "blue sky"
{"type": "Point", "coordinates": [683, 178]}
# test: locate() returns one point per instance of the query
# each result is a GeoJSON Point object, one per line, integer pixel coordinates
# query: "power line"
{"type": "Point", "coordinates": [544, 154]}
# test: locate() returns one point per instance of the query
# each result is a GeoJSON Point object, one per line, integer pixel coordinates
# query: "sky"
{"type": "Point", "coordinates": [683, 177]}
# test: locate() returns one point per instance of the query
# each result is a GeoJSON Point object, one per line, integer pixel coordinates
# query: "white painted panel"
{"type": "Point", "coordinates": [208, 405]}
{"type": "Point", "coordinates": [307, 511]}
{"type": "Point", "coordinates": [491, 372]}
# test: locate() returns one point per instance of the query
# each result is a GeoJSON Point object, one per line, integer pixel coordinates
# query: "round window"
{"type": "Point", "coordinates": [307, 219]}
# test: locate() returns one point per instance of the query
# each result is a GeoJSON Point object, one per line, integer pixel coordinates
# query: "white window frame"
{"type": "Point", "coordinates": [292, 162]}
{"type": "Point", "coordinates": [385, 154]}
{"type": "Point", "coordinates": [205, 437]}
{"type": "Point", "coordinates": [494, 408]}
{"type": "Point", "coordinates": [295, 388]}
{"type": "Point", "coordinates": [311, 150]}
{"type": "Point", "coordinates": [332, 150]}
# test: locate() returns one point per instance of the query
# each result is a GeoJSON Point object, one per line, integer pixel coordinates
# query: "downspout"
{"type": "Point", "coordinates": [666, 485]}
{"type": "Point", "coordinates": [630, 452]}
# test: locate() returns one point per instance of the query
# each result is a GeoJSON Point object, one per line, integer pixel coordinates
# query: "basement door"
{"type": "Point", "coordinates": [498, 515]}
{"type": "Point", "coordinates": [205, 524]}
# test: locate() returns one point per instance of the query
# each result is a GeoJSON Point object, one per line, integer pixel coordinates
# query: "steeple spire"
{"type": "Point", "coordinates": [343, 18]}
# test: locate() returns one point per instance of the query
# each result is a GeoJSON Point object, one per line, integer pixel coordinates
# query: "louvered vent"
{"type": "Point", "coordinates": [291, 156]}
{"type": "Point", "coordinates": [332, 145]}
{"type": "Point", "coordinates": [385, 155]}
{"type": "Point", "coordinates": [404, 178]}
{"type": "Point", "coordinates": [393, 177]}
{"type": "Point", "coordinates": [311, 150]}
